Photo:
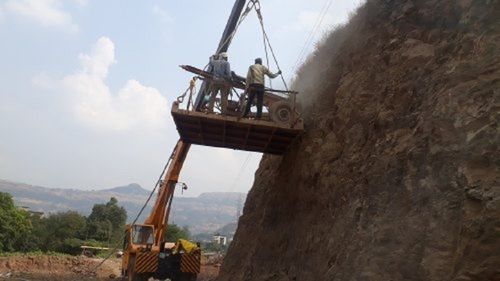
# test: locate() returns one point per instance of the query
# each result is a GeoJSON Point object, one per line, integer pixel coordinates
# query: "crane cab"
{"type": "Point", "coordinates": [142, 235]}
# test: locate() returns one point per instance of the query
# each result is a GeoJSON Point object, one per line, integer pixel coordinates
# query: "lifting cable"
{"type": "Point", "coordinates": [249, 7]}
{"type": "Point", "coordinates": [254, 4]}
{"type": "Point", "coordinates": [267, 54]}
{"type": "Point", "coordinates": [312, 33]}
{"type": "Point", "coordinates": [266, 39]}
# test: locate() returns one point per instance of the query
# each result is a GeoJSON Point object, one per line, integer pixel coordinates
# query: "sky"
{"type": "Point", "coordinates": [86, 86]}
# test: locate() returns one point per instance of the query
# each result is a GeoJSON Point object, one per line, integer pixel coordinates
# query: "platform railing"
{"type": "Point", "coordinates": [279, 105]}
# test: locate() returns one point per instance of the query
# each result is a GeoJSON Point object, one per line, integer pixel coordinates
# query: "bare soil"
{"type": "Point", "coordinates": [65, 268]}
{"type": "Point", "coordinates": [42, 267]}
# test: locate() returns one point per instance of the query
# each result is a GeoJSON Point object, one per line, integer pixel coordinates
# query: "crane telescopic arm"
{"type": "Point", "coordinates": [161, 209]}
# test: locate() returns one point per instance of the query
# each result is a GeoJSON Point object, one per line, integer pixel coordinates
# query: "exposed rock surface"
{"type": "Point", "coordinates": [397, 174]}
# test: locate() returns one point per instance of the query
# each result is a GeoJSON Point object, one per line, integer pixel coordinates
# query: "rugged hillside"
{"type": "Point", "coordinates": [203, 214]}
{"type": "Point", "coordinates": [397, 174]}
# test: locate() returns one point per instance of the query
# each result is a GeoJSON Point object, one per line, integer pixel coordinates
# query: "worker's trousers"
{"type": "Point", "coordinates": [224, 93]}
{"type": "Point", "coordinates": [255, 90]}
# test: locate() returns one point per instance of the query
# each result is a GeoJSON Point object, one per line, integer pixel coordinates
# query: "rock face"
{"type": "Point", "coordinates": [397, 174]}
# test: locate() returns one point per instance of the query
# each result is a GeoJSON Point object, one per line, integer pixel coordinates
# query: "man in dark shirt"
{"type": "Point", "coordinates": [221, 71]}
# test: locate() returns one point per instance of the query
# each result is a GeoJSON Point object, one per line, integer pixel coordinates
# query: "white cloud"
{"type": "Point", "coordinates": [49, 13]}
{"type": "Point", "coordinates": [163, 15]}
{"type": "Point", "coordinates": [91, 102]}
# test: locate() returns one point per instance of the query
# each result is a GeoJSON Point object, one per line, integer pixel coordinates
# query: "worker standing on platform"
{"type": "Point", "coordinates": [255, 85]}
{"type": "Point", "coordinates": [221, 71]}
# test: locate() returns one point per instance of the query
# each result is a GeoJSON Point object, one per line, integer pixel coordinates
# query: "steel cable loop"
{"type": "Point", "coordinates": [190, 89]}
{"type": "Point", "coordinates": [180, 98]}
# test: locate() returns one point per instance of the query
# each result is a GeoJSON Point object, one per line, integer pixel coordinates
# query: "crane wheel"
{"type": "Point", "coordinates": [281, 112]}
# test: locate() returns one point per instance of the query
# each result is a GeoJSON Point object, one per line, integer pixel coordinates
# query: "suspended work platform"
{"type": "Point", "coordinates": [198, 124]}
{"type": "Point", "coordinates": [217, 130]}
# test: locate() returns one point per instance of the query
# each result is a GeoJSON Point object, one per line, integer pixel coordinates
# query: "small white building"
{"type": "Point", "coordinates": [220, 239]}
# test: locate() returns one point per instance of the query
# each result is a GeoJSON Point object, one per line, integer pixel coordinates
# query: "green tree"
{"type": "Point", "coordinates": [106, 222]}
{"type": "Point", "coordinates": [14, 225]}
{"type": "Point", "coordinates": [57, 228]}
{"type": "Point", "coordinates": [38, 234]}
{"type": "Point", "coordinates": [100, 230]}
{"type": "Point", "coordinates": [174, 233]}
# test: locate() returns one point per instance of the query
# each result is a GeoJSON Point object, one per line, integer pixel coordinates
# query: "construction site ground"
{"type": "Point", "coordinates": [65, 268]}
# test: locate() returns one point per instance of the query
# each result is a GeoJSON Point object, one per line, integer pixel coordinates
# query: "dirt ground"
{"type": "Point", "coordinates": [65, 268]}
{"type": "Point", "coordinates": [57, 268]}
{"type": "Point", "coordinates": [208, 272]}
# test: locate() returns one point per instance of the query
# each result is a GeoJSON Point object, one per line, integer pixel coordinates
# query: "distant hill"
{"type": "Point", "coordinates": [131, 189]}
{"type": "Point", "coordinates": [203, 214]}
{"type": "Point", "coordinates": [228, 229]}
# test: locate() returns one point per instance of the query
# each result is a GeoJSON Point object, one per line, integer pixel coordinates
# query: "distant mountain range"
{"type": "Point", "coordinates": [206, 213]}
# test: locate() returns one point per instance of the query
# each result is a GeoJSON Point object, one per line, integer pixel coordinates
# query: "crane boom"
{"type": "Point", "coordinates": [161, 210]}
{"type": "Point", "coordinates": [224, 43]}
{"type": "Point", "coordinates": [158, 217]}
{"type": "Point", "coordinates": [145, 253]}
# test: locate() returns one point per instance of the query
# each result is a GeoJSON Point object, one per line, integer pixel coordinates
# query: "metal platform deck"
{"type": "Point", "coordinates": [213, 129]}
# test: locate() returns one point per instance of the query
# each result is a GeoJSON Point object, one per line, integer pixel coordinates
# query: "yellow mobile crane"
{"type": "Point", "coordinates": [146, 254]}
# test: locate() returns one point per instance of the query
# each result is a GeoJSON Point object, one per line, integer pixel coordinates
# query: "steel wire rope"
{"type": "Point", "coordinates": [312, 33]}
{"type": "Point", "coordinates": [249, 7]}
{"type": "Point", "coordinates": [267, 57]}
{"type": "Point", "coordinates": [261, 21]}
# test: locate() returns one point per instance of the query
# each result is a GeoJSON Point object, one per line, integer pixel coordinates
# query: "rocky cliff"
{"type": "Point", "coordinates": [397, 174]}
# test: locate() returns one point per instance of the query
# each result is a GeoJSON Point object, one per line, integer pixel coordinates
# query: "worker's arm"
{"type": "Point", "coordinates": [271, 75]}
